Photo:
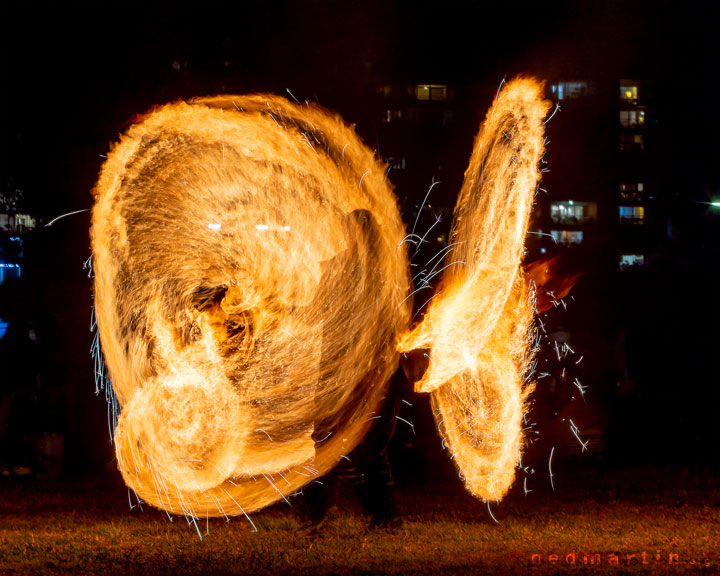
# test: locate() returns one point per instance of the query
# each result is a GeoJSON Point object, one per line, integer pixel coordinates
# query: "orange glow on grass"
{"type": "Point", "coordinates": [251, 294]}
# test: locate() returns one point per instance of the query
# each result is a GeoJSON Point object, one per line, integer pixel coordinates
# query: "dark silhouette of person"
{"type": "Point", "coordinates": [352, 276]}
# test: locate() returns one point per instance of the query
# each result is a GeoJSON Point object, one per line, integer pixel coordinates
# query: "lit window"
{"type": "Point", "coordinates": [628, 91]}
{"type": "Point", "coordinates": [630, 260]}
{"type": "Point", "coordinates": [570, 90]}
{"type": "Point", "coordinates": [633, 191]}
{"type": "Point", "coordinates": [431, 92]}
{"type": "Point", "coordinates": [567, 237]}
{"type": "Point", "coordinates": [632, 118]}
{"type": "Point", "coordinates": [9, 271]}
{"type": "Point", "coordinates": [632, 214]}
{"type": "Point", "coordinates": [572, 212]}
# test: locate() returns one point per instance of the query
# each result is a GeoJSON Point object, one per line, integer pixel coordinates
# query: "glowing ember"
{"type": "Point", "coordinates": [251, 287]}
{"type": "Point", "coordinates": [477, 327]}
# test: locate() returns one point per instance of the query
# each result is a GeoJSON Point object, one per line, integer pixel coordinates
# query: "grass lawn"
{"type": "Point", "coordinates": [86, 526]}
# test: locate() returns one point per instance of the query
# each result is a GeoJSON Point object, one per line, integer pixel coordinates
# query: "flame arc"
{"type": "Point", "coordinates": [477, 326]}
{"type": "Point", "coordinates": [252, 298]}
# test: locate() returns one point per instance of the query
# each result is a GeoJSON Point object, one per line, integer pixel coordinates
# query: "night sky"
{"type": "Point", "coordinates": [75, 75]}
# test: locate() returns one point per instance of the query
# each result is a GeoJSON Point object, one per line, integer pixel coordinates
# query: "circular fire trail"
{"type": "Point", "coordinates": [249, 286]}
{"type": "Point", "coordinates": [251, 295]}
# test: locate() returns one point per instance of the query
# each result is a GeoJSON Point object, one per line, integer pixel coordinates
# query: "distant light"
{"type": "Point", "coordinates": [570, 202]}
{"type": "Point", "coordinates": [287, 228]}
{"type": "Point", "coordinates": [543, 250]}
{"type": "Point", "coordinates": [214, 226]}
{"type": "Point", "coordinates": [716, 204]}
{"type": "Point", "coordinates": [261, 227]}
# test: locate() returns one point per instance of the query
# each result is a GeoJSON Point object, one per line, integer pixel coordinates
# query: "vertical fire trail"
{"type": "Point", "coordinates": [477, 327]}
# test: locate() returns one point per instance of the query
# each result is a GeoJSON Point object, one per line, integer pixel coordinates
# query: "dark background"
{"type": "Point", "coordinates": [74, 76]}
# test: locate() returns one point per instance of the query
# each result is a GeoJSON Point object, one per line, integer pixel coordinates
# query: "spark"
{"type": "Point", "coordinates": [580, 387]}
{"type": "Point", "coordinates": [491, 514]}
{"type": "Point", "coordinates": [63, 216]}
{"type": "Point", "coordinates": [555, 111]}
{"type": "Point", "coordinates": [412, 426]}
{"type": "Point", "coordinates": [292, 95]}
{"type": "Point", "coordinates": [423, 204]}
{"type": "Point", "coordinates": [576, 433]}
{"type": "Point", "coordinates": [552, 485]}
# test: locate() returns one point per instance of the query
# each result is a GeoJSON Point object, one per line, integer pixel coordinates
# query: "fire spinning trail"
{"type": "Point", "coordinates": [251, 296]}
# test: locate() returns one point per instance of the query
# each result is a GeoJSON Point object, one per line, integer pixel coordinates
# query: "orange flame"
{"type": "Point", "coordinates": [477, 326]}
{"type": "Point", "coordinates": [250, 280]}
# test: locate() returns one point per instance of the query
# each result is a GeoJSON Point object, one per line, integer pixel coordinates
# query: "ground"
{"type": "Point", "coordinates": [85, 525]}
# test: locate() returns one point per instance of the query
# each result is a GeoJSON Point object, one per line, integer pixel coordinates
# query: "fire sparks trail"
{"type": "Point", "coordinates": [252, 296]}
{"type": "Point", "coordinates": [477, 328]}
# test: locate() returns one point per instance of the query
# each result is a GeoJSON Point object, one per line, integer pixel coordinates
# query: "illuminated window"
{"type": "Point", "coordinates": [632, 118]}
{"type": "Point", "coordinates": [630, 260]}
{"type": "Point", "coordinates": [16, 223]}
{"type": "Point", "coordinates": [567, 237]}
{"type": "Point", "coordinates": [571, 90]}
{"type": "Point", "coordinates": [571, 212]}
{"type": "Point", "coordinates": [632, 214]}
{"type": "Point", "coordinates": [628, 91]}
{"type": "Point", "coordinates": [9, 271]}
{"type": "Point", "coordinates": [431, 92]}
{"type": "Point", "coordinates": [634, 191]}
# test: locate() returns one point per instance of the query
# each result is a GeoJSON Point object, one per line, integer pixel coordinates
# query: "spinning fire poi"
{"type": "Point", "coordinates": [252, 299]}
